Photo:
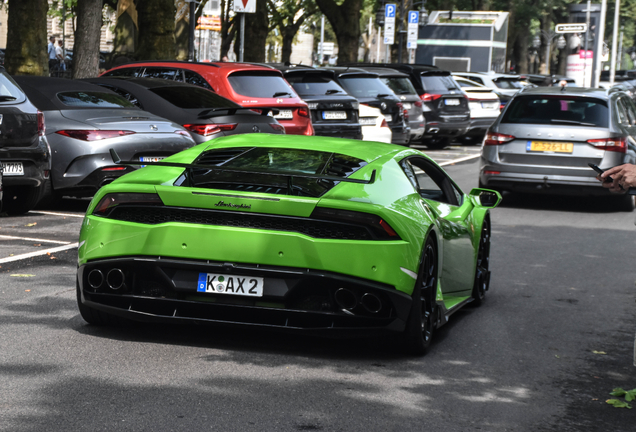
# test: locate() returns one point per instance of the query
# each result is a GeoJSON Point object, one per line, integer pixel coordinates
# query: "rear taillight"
{"type": "Point", "coordinates": [41, 125]}
{"type": "Point", "coordinates": [501, 105]}
{"type": "Point", "coordinates": [94, 135]}
{"type": "Point", "coordinates": [493, 138]}
{"type": "Point", "coordinates": [277, 127]}
{"type": "Point", "coordinates": [417, 104]}
{"type": "Point", "coordinates": [618, 145]}
{"type": "Point", "coordinates": [378, 227]}
{"type": "Point", "coordinates": [210, 129]}
{"type": "Point", "coordinates": [429, 97]}
{"type": "Point", "coordinates": [303, 112]}
{"type": "Point", "coordinates": [400, 106]}
{"type": "Point", "coordinates": [110, 201]}
{"type": "Point", "coordinates": [384, 123]}
{"type": "Point", "coordinates": [406, 114]}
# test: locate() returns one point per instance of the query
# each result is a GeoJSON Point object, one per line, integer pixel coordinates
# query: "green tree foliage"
{"type": "Point", "coordinates": [288, 16]}
{"type": "Point", "coordinates": [344, 17]}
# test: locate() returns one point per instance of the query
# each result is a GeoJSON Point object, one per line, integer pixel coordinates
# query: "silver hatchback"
{"type": "Point", "coordinates": [546, 136]}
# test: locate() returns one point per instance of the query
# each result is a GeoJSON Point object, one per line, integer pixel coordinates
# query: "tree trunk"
{"type": "Point", "coordinates": [523, 47]}
{"type": "Point", "coordinates": [156, 30]}
{"type": "Point", "coordinates": [87, 35]}
{"type": "Point", "coordinates": [288, 40]}
{"type": "Point", "coordinates": [26, 44]}
{"type": "Point", "coordinates": [182, 29]}
{"type": "Point", "coordinates": [256, 30]}
{"type": "Point", "coordinates": [345, 21]}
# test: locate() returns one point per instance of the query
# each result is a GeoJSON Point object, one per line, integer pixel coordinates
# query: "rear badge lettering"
{"type": "Point", "coordinates": [230, 205]}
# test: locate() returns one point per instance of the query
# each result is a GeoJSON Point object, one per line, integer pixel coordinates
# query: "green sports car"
{"type": "Point", "coordinates": [321, 235]}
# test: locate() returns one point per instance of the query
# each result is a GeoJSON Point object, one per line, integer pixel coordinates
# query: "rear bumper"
{"type": "Point", "coordinates": [541, 183]}
{"type": "Point", "coordinates": [302, 300]}
{"type": "Point", "coordinates": [451, 126]}
{"type": "Point", "coordinates": [35, 160]}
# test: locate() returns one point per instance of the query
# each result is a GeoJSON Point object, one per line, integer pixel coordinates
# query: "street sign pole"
{"type": "Point", "coordinates": [617, 9]}
{"type": "Point", "coordinates": [242, 7]}
{"type": "Point", "coordinates": [242, 46]}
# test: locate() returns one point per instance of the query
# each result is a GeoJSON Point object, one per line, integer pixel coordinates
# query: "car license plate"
{"type": "Point", "coordinates": [388, 118]}
{"type": "Point", "coordinates": [367, 121]}
{"type": "Point", "coordinates": [334, 115]}
{"type": "Point", "coordinates": [489, 105]}
{"type": "Point", "coordinates": [12, 168]}
{"type": "Point", "coordinates": [555, 147]}
{"type": "Point", "coordinates": [407, 105]}
{"type": "Point", "coordinates": [151, 159]}
{"type": "Point", "coordinates": [284, 114]}
{"type": "Point", "coordinates": [454, 102]}
{"type": "Point", "coordinates": [230, 284]}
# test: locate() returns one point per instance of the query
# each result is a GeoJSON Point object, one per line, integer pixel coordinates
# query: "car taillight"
{"type": "Point", "coordinates": [618, 145]}
{"type": "Point", "coordinates": [278, 127]}
{"type": "Point", "coordinates": [406, 114]}
{"type": "Point", "coordinates": [303, 112]}
{"type": "Point", "coordinates": [417, 104]}
{"type": "Point", "coordinates": [501, 106]}
{"type": "Point", "coordinates": [41, 125]}
{"type": "Point", "coordinates": [210, 129]}
{"type": "Point", "coordinates": [399, 105]}
{"type": "Point", "coordinates": [429, 97]}
{"type": "Point", "coordinates": [94, 135]}
{"type": "Point", "coordinates": [110, 201]}
{"type": "Point", "coordinates": [494, 138]}
{"type": "Point", "coordinates": [378, 227]}
{"type": "Point", "coordinates": [384, 123]}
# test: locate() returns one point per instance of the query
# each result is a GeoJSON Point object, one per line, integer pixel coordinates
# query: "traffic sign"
{"type": "Point", "coordinates": [245, 6]}
{"type": "Point", "coordinates": [389, 24]}
{"type": "Point", "coordinates": [411, 39]}
{"type": "Point", "coordinates": [389, 11]}
{"type": "Point", "coordinates": [414, 17]}
{"type": "Point", "coordinates": [571, 28]}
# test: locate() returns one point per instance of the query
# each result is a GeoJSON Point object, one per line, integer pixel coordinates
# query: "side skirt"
{"type": "Point", "coordinates": [444, 312]}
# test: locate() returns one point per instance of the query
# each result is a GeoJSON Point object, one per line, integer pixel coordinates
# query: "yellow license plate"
{"type": "Point", "coordinates": [545, 146]}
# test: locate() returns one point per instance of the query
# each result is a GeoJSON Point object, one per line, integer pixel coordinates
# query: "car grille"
{"type": "Point", "coordinates": [153, 215]}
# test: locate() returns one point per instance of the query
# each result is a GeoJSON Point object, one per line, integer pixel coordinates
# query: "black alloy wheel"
{"type": "Point", "coordinates": [421, 322]}
{"type": "Point", "coordinates": [482, 270]}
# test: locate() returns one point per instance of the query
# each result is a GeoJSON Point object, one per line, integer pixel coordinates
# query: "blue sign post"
{"type": "Point", "coordinates": [389, 24]}
{"type": "Point", "coordinates": [411, 39]}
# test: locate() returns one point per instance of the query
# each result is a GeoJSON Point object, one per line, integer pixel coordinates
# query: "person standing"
{"type": "Point", "coordinates": [60, 54]}
{"type": "Point", "coordinates": [52, 55]}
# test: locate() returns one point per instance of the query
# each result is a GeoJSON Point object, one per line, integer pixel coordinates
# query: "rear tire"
{"type": "Point", "coordinates": [422, 318]}
{"type": "Point", "coordinates": [20, 199]}
{"type": "Point", "coordinates": [482, 269]}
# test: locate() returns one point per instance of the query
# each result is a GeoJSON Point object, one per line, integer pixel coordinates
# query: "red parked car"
{"type": "Point", "coordinates": [252, 86]}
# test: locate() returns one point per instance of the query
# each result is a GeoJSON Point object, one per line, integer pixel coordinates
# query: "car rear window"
{"type": "Point", "coordinates": [365, 87]}
{"type": "Point", "coordinates": [193, 97]}
{"type": "Point", "coordinates": [508, 84]}
{"type": "Point", "coordinates": [9, 90]}
{"type": "Point", "coordinates": [439, 84]}
{"type": "Point", "coordinates": [400, 86]}
{"type": "Point", "coordinates": [314, 86]}
{"type": "Point", "coordinates": [274, 160]}
{"type": "Point", "coordinates": [91, 99]}
{"type": "Point", "coordinates": [261, 86]}
{"type": "Point", "coordinates": [569, 110]}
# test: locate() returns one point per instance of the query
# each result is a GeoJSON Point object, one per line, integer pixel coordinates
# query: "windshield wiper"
{"type": "Point", "coordinates": [7, 98]}
{"type": "Point", "coordinates": [281, 94]}
{"type": "Point", "coordinates": [574, 122]}
{"type": "Point", "coordinates": [332, 91]}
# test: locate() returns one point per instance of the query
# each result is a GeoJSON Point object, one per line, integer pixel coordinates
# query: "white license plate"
{"type": "Point", "coordinates": [12, 168]}
{"type": "Point", "coordinates": [453, 102]}
{"type": "Point", "coordinates": [334, 115]}
{"type": "Point", "coordinates": [367, 121]}
{"type": "Point", "coordinates": [489, 105]}
{"type": "Point", "coordinates": [151, 159]}
{"type": "Point", "coordinates": [284, 114]}
{"type": "Point", "coordinates": [407, 105]}
{"type": "Point", "coordinates": [388, 118]}
{"type": "Point", "coordinates": [230, 284]}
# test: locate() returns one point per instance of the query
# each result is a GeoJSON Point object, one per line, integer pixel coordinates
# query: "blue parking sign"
{"type": "Point", "coordinates": [389, 11]}
{"type": "Point", "coordinates": [414, 17]}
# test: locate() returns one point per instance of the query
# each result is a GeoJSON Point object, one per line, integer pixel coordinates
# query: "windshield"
{"type": "Point", "coordinates": [262, 86]}
{"type": "Point", "coordinates": [92, 99]}
{"type": "Point", "coordinates": [567, 110]}
{"type": "Point", "coordinates": [274, 160]}
{"type": "Point", "coordinates": [315, 86]}
{"type": "Point", "coordinates": [193, 98]}
{"type": "Point", "coordinates": [370, 87]}
{"type": "Point", "coordinates": [400, 86]}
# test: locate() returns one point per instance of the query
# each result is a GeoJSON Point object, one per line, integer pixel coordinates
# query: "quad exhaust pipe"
{"type": "Point", "coordinates": [371, 303]}
{"type": "Point", "coordinates": [95, 278]}
{"type": "Point", "coordinates": [348, 300]}
{"type": "Point", "coordinates": [115, 279]}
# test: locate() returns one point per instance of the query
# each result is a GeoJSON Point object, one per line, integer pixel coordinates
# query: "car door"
{"type": "Point", "coordinates": [445, 200]}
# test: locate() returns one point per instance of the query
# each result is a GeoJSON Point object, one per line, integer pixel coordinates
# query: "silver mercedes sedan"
{"type": "Point", "coordinates": [546, 137]}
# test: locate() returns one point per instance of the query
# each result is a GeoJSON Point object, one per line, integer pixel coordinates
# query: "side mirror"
{"type": "Point", "coordinates": [485, 197]}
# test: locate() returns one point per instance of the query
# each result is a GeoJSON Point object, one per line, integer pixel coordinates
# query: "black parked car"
{"type": "Point", "coordinates": [334, 113]}
{"type": "Point", "coordinates": [446, 108]}
{"type": "Point", "coordinates": [205, 114]}
{"type": "Point", "coordinates": [24, 150]}
{"type": "Point", "coordinates": [368, 89]}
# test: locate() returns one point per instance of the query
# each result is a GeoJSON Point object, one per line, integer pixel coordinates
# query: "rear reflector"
{"type": "Point", "coordinates": [618, 145]}
{"type": "Point", "coordinates": [384, 123]}
{"type": "Point", "coordinates": [94, 135]}
{"type": "Point", "coordinates": [493, 138]}
{"type": "Point", "coordinates": [210, 129]}
{"type": "Point", "coordinates": [113, 169]}
{"type": "Point", "coordinates": [278, 127]}
{"type": "Point", "coordinates": [492, 172]}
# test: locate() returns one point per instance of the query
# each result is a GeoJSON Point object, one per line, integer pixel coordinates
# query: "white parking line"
{"type": "Point", "coordinates": [34, 239]}
{"type": "Point", "coordinates": [454, 161]}
{"type": "Point", "coordinates": [58, 214]}
{"type": "Point", "coordinates": [38, 253]}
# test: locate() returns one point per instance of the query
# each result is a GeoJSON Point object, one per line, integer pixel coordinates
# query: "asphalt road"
{"type": "Point", "coordinates": [553, 338]}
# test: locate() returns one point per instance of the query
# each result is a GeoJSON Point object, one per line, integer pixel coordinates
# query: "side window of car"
{"type": "Point", "coordinates": [129, 72]}
{"type": "Point", "coordinates": [431, 182]}
{"type": "Point", "coordinates": [196, 79]}
{"type": "Point", "coordinates": [162, 73]}
{"type": "Point", "coordinates": [622, 112]}
{"type": "Point", "coordinates": [477, 80]}
{"type": "Point", "coordinates": [630, 109]}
